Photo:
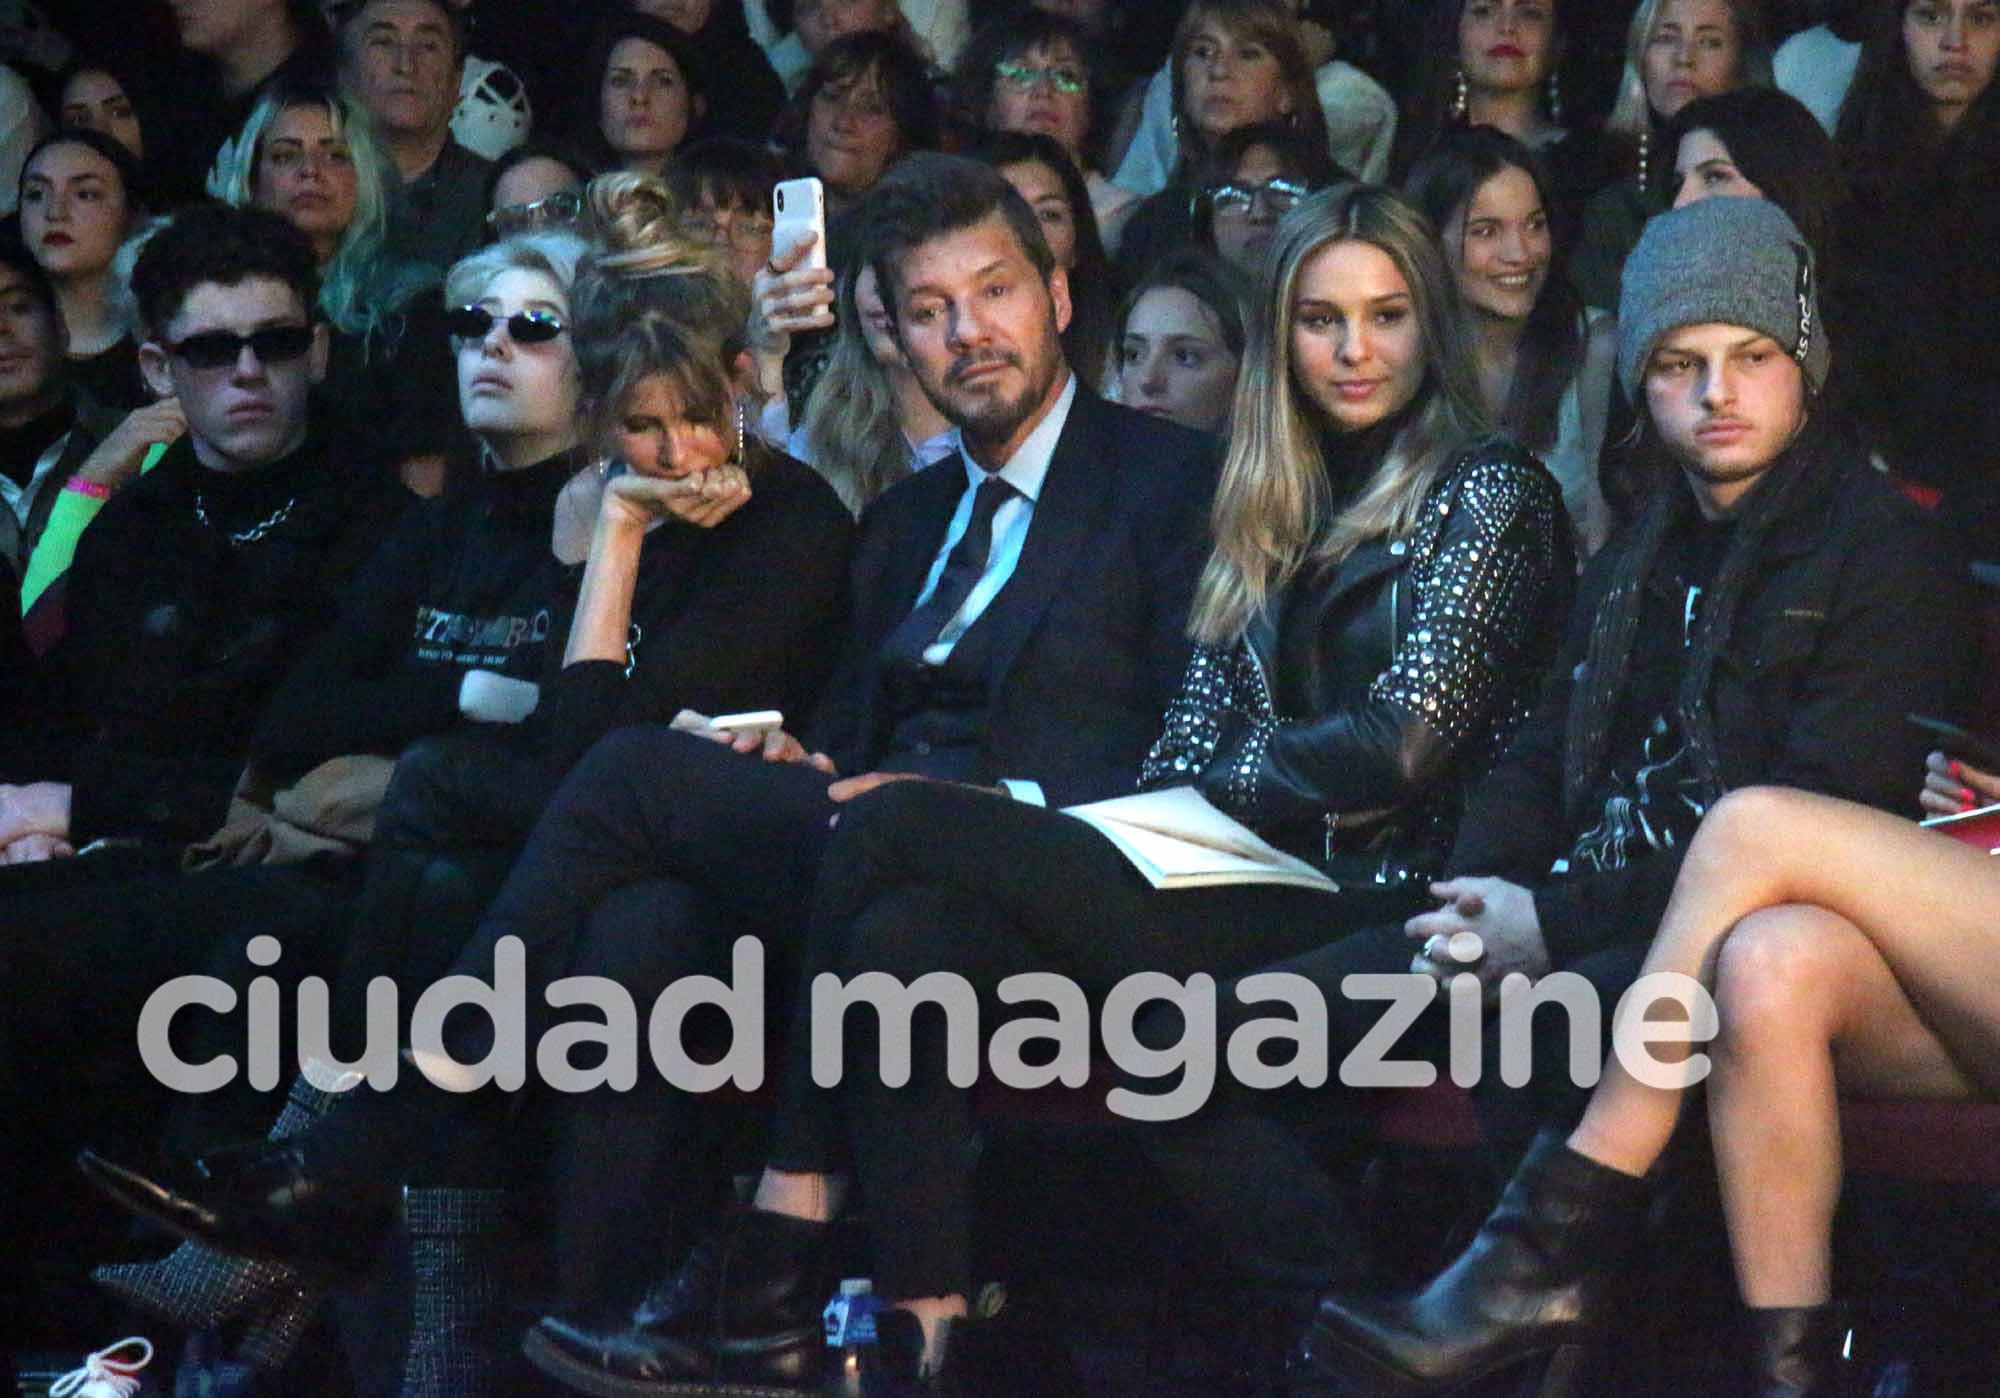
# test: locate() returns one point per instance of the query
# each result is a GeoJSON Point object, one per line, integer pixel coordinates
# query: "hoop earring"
{"type": "Point", "coordinates": [1645, 155]}
{"type": "Point", "coordinates": [1555, 98]}
{"type": "Point", "coordinates": [1461, 96]}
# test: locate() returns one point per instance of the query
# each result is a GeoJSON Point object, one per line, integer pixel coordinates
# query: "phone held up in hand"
{"type": "Point", "coordinates": [798, 205]}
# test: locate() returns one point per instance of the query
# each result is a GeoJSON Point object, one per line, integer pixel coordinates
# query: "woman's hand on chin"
{"type": "Point", "coordinates": [702, 498]}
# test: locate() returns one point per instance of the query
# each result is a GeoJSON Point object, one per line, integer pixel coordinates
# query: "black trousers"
{"type": "Point", "coordinates": [923, 877]}
{"type": "Point", "coordinates": [84, 943]}
{"type": "Point", "coordinates": [654, 853]}
{"type": "Point", "coordinates": [1260, 1172]}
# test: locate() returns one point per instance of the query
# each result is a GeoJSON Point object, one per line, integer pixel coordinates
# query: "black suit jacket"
{"type": "Point", "coordinates": [1088, 638]}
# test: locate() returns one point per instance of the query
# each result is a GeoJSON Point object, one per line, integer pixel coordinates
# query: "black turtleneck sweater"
{"type": "Point", "coordinates": [191, 596]}
{"type": "Point", "coordinates": [466, 582]}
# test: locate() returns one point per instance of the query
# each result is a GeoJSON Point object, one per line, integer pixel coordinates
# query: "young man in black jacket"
{"type": "Point", "coordinates": [200, 584]}
{"type": "Point", "coordinates": [191, 594]}
{"type": "Point", "coordinates": [1770, 618]}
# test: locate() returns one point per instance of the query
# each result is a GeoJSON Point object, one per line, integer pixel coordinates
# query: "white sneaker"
{"type": "Point", "coordinates": [101, 1375]}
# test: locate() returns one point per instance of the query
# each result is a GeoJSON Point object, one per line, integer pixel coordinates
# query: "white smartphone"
{"type": "Point", "coordinates": [755, 721]}
{"type": "Point", "coordinates": [800, 204]}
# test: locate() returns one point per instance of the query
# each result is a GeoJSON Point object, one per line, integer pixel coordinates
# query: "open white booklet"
{"type": "Point", "coordinates": [1178, 840]}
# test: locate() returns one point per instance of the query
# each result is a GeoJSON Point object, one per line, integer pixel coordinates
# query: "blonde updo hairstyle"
{"type": "Point", "coordinates": [649, 301]}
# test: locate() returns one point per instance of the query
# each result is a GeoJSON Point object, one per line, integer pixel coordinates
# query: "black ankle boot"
{"type": "Point", "coordinates": [744, 1309]}
{"type": "Point", "coordinates": [266, 1203]}
{"type": "Point", "coordinates": [1533, 1286]}
{"type": "Point", "coordinates": [1796, 1351]}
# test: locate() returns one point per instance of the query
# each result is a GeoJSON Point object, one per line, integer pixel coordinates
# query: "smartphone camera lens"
{"type": "Point", "coordinates": [781, 201]}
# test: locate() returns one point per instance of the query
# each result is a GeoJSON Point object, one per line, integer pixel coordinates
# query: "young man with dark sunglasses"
{"type": "Point", "coordinates": [198, 586]}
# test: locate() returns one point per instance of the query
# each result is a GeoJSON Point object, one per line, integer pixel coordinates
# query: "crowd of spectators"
{"type": "Point", "coordinates": [414, 427]}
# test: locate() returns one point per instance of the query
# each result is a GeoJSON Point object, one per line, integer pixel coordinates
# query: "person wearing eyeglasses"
{"type": "Point", "coordinates": [1256, 176]}
{"type": "Point", "coordinates": [1042, 74]}
{"type": "Point", "coordinates": [723, 187]}
{"type": "Point", "coordinates": [1236, 63]}
{"type": "Point", "coordinates": [538, 184]}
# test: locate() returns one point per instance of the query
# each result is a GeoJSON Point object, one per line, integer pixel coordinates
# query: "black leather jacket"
{"type": "Point", "coordinates": [1384, 687]}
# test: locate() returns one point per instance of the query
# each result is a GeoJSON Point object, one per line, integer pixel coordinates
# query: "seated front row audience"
{"type": "Point", "coordinates": [200, 456]}
{"type": "Point", "coordinates": [1359, 466]}
{"type": "Point", "coordinates": [1017, 615]}
{"type": "Point", "coordinates": [1770, 619]}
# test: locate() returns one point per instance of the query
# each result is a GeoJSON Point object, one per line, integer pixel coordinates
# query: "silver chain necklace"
{"type": "Point", "coordinates": [255, 531]}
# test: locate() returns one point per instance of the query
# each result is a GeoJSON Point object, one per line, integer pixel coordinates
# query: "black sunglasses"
{"type": "Point", "coordinates": [220, 349]}
{"type": "Point", "coordinates": [523, 327]}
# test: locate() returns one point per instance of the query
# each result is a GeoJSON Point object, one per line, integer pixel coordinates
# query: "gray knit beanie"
{"type": "Point", "coordinates": [1722, 261]}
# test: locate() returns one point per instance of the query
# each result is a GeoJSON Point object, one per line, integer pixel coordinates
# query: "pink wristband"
{"type": "Point", "coordinates": [90, 488]}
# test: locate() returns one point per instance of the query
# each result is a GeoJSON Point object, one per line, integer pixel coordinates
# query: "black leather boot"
{"type": "Point", "coordinates": [1796, 1352]}
{"type": "Point", "coordinates": [264, 1202]}
{"type": "Point", "coordinates": [1532, 1288]}
{"type": "Point", "coordinates": [743, 1311]}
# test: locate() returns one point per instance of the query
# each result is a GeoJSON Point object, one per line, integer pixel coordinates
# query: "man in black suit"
{"type": "Point", "coordinates": [1018, 624]}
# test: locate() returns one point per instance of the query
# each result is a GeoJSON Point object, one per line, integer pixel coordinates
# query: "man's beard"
{"type": "Point", "coordinates": [985, 414]}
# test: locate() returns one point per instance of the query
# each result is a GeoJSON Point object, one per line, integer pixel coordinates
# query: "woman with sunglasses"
{"type": "Point", "coordinates": [685, 567]}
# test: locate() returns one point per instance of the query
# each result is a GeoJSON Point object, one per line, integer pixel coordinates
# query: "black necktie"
{"type": "Point", "coordinates": [963, 568]}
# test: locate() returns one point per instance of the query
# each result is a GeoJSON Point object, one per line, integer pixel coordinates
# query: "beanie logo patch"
{"type": "Point", "coordinates": [1805, 290]}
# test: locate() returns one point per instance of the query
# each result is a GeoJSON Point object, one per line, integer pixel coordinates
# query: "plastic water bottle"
{"type": "Point", "coordinates": [850, 1334]}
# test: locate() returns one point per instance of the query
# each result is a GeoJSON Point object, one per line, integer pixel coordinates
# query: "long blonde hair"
{"type": "Point", "coordinates": [1633, 111]}
{"type": "Point", "coordinates": [1272, 508]}
{"type": "Point", "coordinates": [854, 435]}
